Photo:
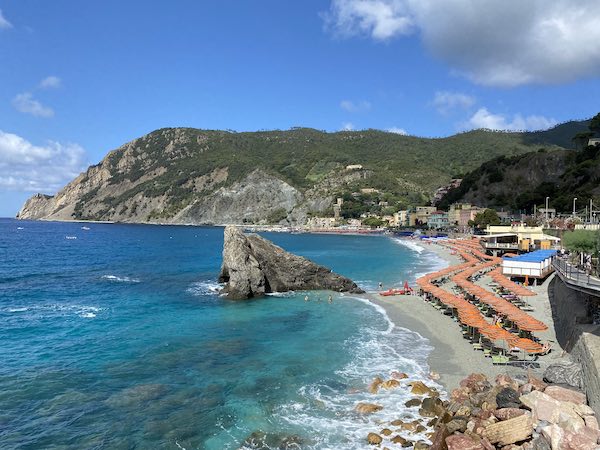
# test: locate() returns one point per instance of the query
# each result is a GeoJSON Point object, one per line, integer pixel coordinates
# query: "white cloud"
{"type": "Point", "coordinates": [444, 101]}
{"type": "Point", "coordinates": [25, 103]}
{"type": "Point", "coordinates": [348, 126]}
{"type": "Point", "coordinates": [31, 168]}
{"type": "Point", "coordinates": [381, 19]}
{"type": "Point", "coordinates": [499, 43]}
{"type": "Point", "coordinates": [397, 130]}
{"type": "Point", "coordinates": [353, 107]}
{"type": "Point", "coordinates": [50, 82]}
{"type": "Point", "coordinates": [4, 24]}
{"type": "Point", "coordinates": [485, 119]}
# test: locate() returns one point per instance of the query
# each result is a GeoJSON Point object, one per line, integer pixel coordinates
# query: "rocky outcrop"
{"type": "Point", "coordinates": [253, 267]}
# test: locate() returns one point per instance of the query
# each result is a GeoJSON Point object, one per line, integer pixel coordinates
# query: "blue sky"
{"type": "Point", "coordinates": [81, 78]}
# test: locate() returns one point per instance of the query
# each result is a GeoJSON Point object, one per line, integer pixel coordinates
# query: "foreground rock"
{"type": "Point", "coordinates": [253, 266]}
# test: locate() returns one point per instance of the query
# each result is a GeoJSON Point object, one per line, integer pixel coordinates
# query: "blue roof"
{"type": "Point", "coordinates": [535, 257]}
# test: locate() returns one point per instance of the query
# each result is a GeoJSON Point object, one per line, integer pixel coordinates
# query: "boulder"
{"type": "Point", "coordinates": [386, 431]}
{"type": "Point", "coordinates": [432, 407]}
{"type": "Point", "coordinates": [390, 384]}
{"type": "Point", "coordinates": [375, 384]}
{"type": "Point", "coordinates": [419, 388]}
{"type": "Point", "coordinates": [564, 373]}
{"type": "Point", "coordinates": [536, 383]}
{"type": "Point", "coordinates": [457, 424]}
{"type": "Point", "coordinates": [508, 398]}
{"type": "Point", "coordinates": [539, 442]}
{"type": "Point", "coordinates": [509, 431]}
{"type": "Point", "coordinates": [506, 381]}
{"type": "Point", "coordinates": [421, 446]}
{"type": "Point", "coordinates": [253, 266]}
{"type": "Point", "coordinates": [476, 382]}
{"type": "Point", "coordinates": [374, 439]}
{"type": "Point", "coordinates": [508, 413]}
{"type": "Point", "coordinates": [565, 395]}
{"type": "Point", "coordinates": [398, 375]}
{"type": "Point", "coordinates": [591, 422]}
{"type": "Point", "coordinates": [462, 442]}
{"type": "Point", "coordinates": [544, 407]}
{"type": "Point", "coordinates": [438, 440]}
{"type": "Point", "coordinates": [412, 402]}
{"type": "Point", "coordinates": [368, 408]}
{"type": "Point", "coordinates": [399, 440]}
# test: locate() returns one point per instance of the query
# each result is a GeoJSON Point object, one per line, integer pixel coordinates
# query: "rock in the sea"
{"type": "Point", "coordinates": [368, 408]}
{"type": "Point", "coordinates": [412, 402]}
{"type": "Point", "coordinates": [390, 384]}
{"type": "Point", "coordinates": [374, 439]}
{"type": "Point", "coordinates": [375, 384]}
{"type": "Point", "coordinates": [253, 266]}
{"type": "Point", "coordinates": [431, 407]}
{"type": "Point", "coordinates": [419, 388]}
{"type": "Point", "coordinates": [564, 373]}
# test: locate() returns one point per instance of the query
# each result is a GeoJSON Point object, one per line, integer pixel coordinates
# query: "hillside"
{"type": "Point", "coordinates": [184, 175]}
{"type": "Point", "coordinates": [520, 182]}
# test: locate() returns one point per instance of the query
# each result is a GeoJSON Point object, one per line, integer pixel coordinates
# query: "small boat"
{"type": "Point", "coordinates": [20, 228]}
{"type": "Point", "coordinates": [390, 292]}
{"type": "Point", "coordinates": [85, 228]}
{"type": "Point", "coordinates": [71, 237]}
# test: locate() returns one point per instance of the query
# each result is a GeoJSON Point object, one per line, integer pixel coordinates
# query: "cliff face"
{"type": "Point", "coordinates": [253, 267]}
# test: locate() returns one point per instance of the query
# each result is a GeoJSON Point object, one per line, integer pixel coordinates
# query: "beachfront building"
{"type": "Point", "coordinates": [422, 214]}
{"type": "Point", "coordinates": [401, 218]}
{"type": "Point", "coordinates": [518, 237]}
{"type": "Point", "coordinates": [537, 264]}
{"type": "Point", "coordinates": [438, 220]}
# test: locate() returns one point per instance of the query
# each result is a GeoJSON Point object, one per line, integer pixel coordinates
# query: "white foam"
{"type": "Point", "coordinates": [410, 243]}
{"type": "Point", "coordinates": [200, 288]}
{"type": "Point", "coordinates": [118, 279]}
{"type": "Point", "coordinates": [57, 310]}
{"type": "Point", "coordinates": [15, 310]}
{"type": "Point", "coordinates": [328, 414]}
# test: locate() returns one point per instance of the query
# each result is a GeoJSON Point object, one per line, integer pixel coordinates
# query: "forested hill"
{"type": "Point", "coordinates": [201, 176]}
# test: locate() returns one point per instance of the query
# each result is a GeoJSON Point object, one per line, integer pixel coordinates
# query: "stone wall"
{"type": "Point", "coordinates": [571, 311]}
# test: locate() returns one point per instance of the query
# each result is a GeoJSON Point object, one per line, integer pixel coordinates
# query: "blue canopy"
{"type": "Point", "coordinates": [536, 257]}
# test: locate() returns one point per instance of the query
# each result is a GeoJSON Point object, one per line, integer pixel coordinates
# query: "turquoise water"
{"type": "Point", "coordinates": [117, 340]}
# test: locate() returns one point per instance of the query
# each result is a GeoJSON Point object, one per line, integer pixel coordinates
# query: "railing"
{"type": "Point", "coordinates": [512, 246]}
{"type": "Point", "coordinates": [574, 275]}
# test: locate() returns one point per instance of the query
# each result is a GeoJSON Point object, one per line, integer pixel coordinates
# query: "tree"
{"type": "Point", "coordinates": [582, 241]}
{"type": "Point", "coordinates": [485, 218]}
{"type": "Point", "coordinates": [373, 222]}
{"type": "Point", "coordinates": [594, 125]}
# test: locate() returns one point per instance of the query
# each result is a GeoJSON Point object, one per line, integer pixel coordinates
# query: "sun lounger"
{"type": "Point", "coordinates": [500, 359]}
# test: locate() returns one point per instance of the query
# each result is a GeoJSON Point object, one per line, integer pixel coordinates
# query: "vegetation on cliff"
{"type": "Point", "coordinates": [158, 176]}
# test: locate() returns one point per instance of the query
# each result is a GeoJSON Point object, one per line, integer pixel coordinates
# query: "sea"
{"type": "Point", "coordinates": [114, 336]}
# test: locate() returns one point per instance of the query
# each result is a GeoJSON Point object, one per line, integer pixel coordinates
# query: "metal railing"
{"type": "Point", "coordinates": [573, 274]}
{"type": "Point", "coordinates": [501, 245]}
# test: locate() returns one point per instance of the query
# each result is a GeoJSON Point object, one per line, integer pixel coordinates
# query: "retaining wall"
{"type": "Point", "coordinates": [571, 311]}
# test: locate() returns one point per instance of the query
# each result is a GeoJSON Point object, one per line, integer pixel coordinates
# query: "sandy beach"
{"type": "Point", "coordinates": [453, 356]}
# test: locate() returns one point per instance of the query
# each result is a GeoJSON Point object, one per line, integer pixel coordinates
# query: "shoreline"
{"type": "Point", "coordinates": [452, 357]}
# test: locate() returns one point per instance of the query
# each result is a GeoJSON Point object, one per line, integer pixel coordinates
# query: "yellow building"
{"type": "Point", "coordinates": [519, 237]}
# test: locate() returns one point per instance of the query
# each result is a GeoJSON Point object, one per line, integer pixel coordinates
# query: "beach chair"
{"type": "Point", "coordinates": [500, 359]}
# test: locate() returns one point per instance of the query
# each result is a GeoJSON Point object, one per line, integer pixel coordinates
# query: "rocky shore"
{"type": "Point", "coordinates": [520, 413]}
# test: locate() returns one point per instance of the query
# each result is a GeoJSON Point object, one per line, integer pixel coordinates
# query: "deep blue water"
{"type": "Point", "coordinates": [117, 340]}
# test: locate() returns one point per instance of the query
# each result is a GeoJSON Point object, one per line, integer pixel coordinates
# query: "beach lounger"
{"type": "Point", "coordinates": [500, 359]}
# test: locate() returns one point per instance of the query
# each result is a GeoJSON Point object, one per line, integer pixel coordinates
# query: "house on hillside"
{"type": "Point", "coordinates": [438, 220]}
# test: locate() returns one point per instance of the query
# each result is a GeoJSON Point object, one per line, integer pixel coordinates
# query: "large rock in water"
{"type": "Point", "coordinates": [253, 267]}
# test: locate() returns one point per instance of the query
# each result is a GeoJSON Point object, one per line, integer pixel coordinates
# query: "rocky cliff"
{"type": "Point", "coordinates": [253, 267]}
